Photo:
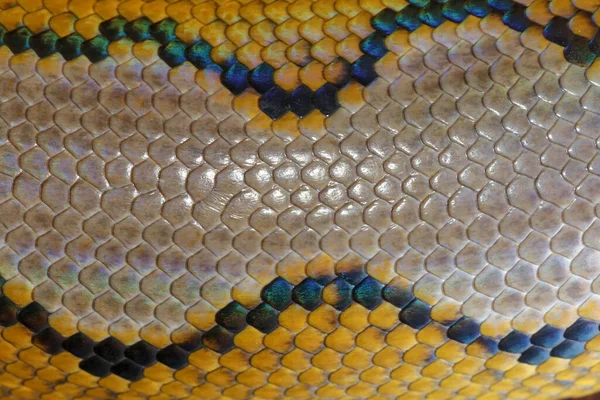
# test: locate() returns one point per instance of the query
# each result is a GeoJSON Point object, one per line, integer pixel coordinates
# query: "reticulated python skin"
{"type": "Point", "coordinates": [303, 199]}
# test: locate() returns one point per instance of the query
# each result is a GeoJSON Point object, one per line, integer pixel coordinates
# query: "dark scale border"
{"type": "Point", "coordinates": [129, 362]}
{"type": "Point", "coordinates": [274, 101]}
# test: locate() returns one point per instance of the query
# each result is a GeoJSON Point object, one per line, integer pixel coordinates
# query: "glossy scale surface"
{"type": "Point", "coordinates": [329, 199]}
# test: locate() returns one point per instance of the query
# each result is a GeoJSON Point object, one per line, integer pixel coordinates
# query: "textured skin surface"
{"type": "Point", "coordinates": [220, 249]}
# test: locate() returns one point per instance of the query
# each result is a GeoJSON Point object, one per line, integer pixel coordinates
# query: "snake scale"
{"type": "Point", "coordinates": [299, 199]}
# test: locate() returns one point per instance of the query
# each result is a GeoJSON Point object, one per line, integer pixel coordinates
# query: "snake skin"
{"type": "Point", "coordinates": [329, 199]}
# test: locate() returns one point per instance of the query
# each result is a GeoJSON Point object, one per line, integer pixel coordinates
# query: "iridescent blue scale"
{"type": "Point", "coordinates": [235, 78]}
